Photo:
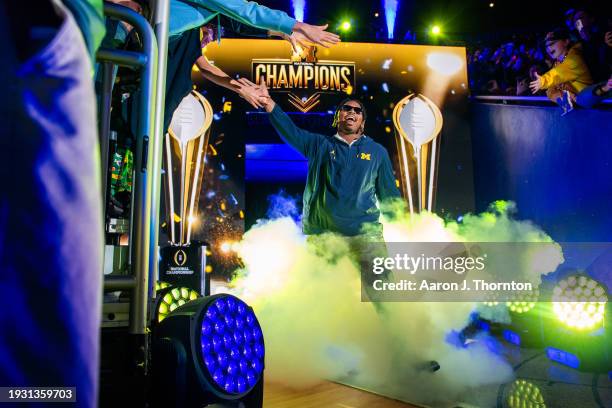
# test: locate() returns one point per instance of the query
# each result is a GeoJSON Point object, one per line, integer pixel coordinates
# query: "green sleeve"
{"type": "Point", "coordinates": [251, 13]}
{"type": "Point", "coordinates": [89, 17]}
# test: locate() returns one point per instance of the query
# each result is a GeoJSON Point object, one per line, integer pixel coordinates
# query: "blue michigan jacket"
{"type": "Point", "coordinates": [344, 181]}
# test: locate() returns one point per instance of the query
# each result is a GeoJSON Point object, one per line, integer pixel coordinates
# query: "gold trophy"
{"type": "Point", "coordinates": [184, 152]}
{"type": "Point", "coordinates": [418, 122]}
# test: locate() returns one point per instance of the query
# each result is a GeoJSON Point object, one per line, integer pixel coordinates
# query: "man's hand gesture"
{"type": "Point", "coordinates": [260, 92]}
{"type": "Point", "coordinates": [306, 33]}
{"type": "Point", "coordinates": [536, 84]}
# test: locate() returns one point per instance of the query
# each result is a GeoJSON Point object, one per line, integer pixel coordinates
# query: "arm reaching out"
{"type": "Point", "coordinates": [256, 15]}
{"type": "Point", "coordinates": [315, 34]}
{"type": "Point", "coordinates": [301, 140]}
{"type": "Point", "coordinates": [251, 93]}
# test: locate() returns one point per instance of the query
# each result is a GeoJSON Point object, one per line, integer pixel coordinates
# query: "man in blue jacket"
{"type": "Point", "coordinates": [349, 174]}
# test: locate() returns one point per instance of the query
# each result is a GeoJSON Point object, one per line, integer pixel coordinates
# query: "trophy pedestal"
{"type": "Point", "coordinates": [185, 265]}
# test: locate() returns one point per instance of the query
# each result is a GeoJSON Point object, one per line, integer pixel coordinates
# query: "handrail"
{"type": "Point", "coordinates": [122, 58]}
{"type": "Point", "coordinates": [140, 224]}
{"type": "Point", "coordinates": [114, 283]}
{"type": "Point", "coordinates": [502, 98]}
{"type": "Point", "coordinates": [161, 17]}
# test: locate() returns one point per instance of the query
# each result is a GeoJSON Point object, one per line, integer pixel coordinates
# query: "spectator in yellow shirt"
{"type": "Point", "coordinates": [569, 75]}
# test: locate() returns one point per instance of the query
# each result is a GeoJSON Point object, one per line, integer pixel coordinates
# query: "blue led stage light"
{"type": "Point", "coordinates": [207, 351]}
{"type": "Point", "coordinates": [232, 345]}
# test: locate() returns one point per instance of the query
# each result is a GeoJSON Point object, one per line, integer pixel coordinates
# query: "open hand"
{"type": "Point", "coordinates": [297, 40]}
{"type": "Point", "coordinates": [315, 34]}
{"type": "Point", "coordinates": [536, 84]}
{"type": "Point", "coordinates": [263, 95]}
{"type": "Point", "coordinates": [250, 92]}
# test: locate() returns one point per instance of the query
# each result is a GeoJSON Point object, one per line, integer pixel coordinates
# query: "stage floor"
{"type": "Point", "coordinates": [538, 383]}
{"type": "Point", "coordinates": [326, 395]}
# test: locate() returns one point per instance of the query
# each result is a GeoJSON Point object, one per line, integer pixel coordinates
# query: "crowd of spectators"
{"type": "Point", "coordinates": [571, 64]}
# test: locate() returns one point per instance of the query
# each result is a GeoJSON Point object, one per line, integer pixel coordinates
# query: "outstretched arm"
{"type": "Point", "coordinates": [256, 15]}
{"type": "Point", "coordinates": [301, 140]}
{"type": "Point", "coordinates": [297, 40]}
{"type": "Point", "coordinates": [251, 94]}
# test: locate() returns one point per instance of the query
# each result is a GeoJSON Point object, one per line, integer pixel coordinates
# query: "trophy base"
{"type": "Point", "coordinates": [185, 265]}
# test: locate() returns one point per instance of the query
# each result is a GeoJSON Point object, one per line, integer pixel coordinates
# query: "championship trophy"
{"type": "Point", "coordinates": [418, 122]}
{"type": "Point", "coordinates": [183, 262]}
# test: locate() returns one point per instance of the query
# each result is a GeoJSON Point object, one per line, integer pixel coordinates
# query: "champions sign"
{"type": "Point", "coordinates": [316, 79]}
{"type": "Point", "coordinates": [305, 78]}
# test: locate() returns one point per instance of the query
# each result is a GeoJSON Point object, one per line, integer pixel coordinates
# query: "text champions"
{"type": "Point", "coordinates": [322, 76]}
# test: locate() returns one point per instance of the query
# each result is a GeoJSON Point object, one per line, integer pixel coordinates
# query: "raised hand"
{"type": "Point", "coordinates": [297, 41]}
{"type": "Point", "coordinates": [536, 84]}
{"type": "Point", "coordinates": [249, 92]}
{"type": "Point", "coordinates": [315, 34]}
{"type": "Point", "coordinates": [269, 102]}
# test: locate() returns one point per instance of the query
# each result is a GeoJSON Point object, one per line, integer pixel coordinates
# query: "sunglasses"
{"type": "Point", "coordinates": [348, 108]}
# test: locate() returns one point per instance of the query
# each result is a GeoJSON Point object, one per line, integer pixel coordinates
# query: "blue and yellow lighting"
{"type": "Point", "coordinates": [579, 302]}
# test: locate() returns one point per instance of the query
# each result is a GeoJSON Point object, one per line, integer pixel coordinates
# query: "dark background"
{"type": "Point", "coordinates": [455, 17]}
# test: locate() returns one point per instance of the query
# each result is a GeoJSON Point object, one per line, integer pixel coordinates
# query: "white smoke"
{"type": "Point", "coordinates": [307, 296]}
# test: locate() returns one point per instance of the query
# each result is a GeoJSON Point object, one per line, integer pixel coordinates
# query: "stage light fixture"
{"type": "Point", "coordinates": [159, 285]}
{"type": "Point", "coordinates": [579, 302]}
{"type": "Point", "coordinates": [524, 394]}
{"type": "Point", "coordinates": [520, 307]}
{"type": "Point", "coordinates": [436, 30]}
{"type": "Point", "coordinates": [524, 303]}
{"type": "Point", "coordinates": [170, 298]}
{"type": "Point", "coordinates": [524, 311]}
{"type": "Point", "coordinates": [211, 350]}
{"type": "Point", "coordinates": [346, 26]}
{"type": "Point", "coordinates": [232, 345]}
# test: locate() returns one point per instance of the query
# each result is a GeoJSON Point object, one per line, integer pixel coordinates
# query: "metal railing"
{"type": "Point", "coordinates": [144, 222]}
{"type": "Point", "coordinates": [524, 99]}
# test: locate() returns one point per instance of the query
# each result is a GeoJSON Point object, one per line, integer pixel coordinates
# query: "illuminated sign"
{"type": "Point", "coordinates": [306, 75]}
